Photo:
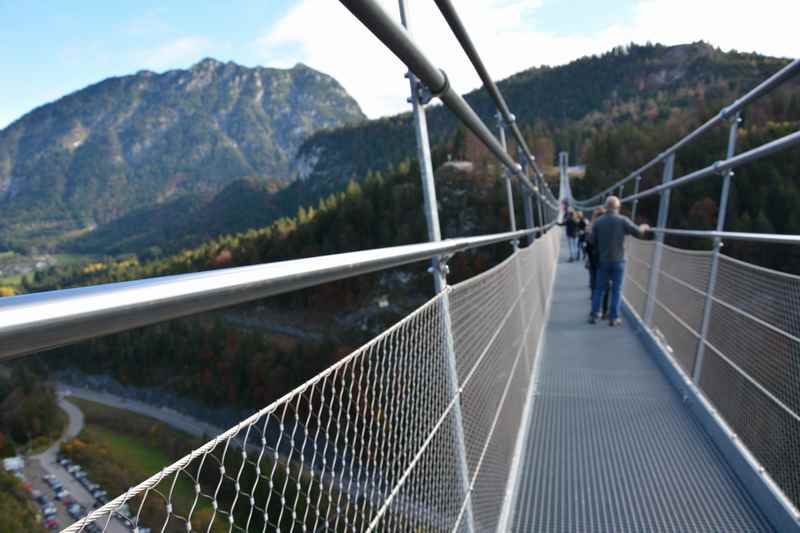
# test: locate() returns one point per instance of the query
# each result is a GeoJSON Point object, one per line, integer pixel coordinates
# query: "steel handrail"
{"type": "Point", "coordinates": [731, 235]}
{"type": "Point", "coordinates": [786, 73]}
{"type": "Point", "coordinates": [34, 322]}
{"type": "Point", "coordinates": [459, 30]}
{"type": "Point", "coordinates": [719, 167]}
{"type": "Point", "coordinates": [397, 39]}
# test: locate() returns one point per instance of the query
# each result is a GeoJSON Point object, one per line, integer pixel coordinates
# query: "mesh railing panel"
{"type": "Point", "coordinates": [683, 283]}
{"type": "Point", "coordinates": [637, 273]}
{"type": "Point", "coordinates": [374, 442]}
{"type": "Point", "coordinates": [751, 369]}
{"type": "Point", "coordinates": [678, 310]}
{"type": "Point", "coordinates": [772, 434]}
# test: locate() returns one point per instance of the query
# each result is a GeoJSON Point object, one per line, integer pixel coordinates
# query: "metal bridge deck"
{"type": "Point", "coordinates": [611, 447]}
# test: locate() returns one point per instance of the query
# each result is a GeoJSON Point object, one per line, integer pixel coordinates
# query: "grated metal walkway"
{"type": "Point", "coordinates": [610, 446]}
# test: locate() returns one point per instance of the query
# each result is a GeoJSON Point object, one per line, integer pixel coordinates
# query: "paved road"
{"type": "Point", "coordinates": [171, 417]}
{"type": "Point", "coordinates": [46, 462]}
{"type": "Point", "coordinates": [197, 428]}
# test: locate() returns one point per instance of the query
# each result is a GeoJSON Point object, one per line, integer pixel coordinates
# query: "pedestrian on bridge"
{"type": "Point", "coordinates": [582, 227]}
{"type": "Point", "coordinates": [592, 260]}
{"type": "Point", "coordinates": [608, 236]}
{"type": "Point", "coordinates": [571, 225]}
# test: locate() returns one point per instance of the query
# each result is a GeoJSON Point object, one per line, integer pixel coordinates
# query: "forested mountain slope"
{"type": "Point", "coordinates": [642, 89]}
{"type": "Point", "coordinates": [565, 105]}
{"type": "Point", "coordinates": [241, 347]}
{"type": "Point", "coordinates": [148, 139]}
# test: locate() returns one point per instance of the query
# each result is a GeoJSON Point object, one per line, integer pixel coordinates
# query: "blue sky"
{"type": "Point", "coordinates": [52, 48]}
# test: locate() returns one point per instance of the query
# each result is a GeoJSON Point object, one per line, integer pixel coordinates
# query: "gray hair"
{"type": "Point", "coordinates": [612, 203]}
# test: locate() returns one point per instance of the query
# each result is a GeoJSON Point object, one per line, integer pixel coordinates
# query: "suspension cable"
{"type": "Point", "coordinates": [459, 30]}
{"type": "Point", "coordinates": [400, 43]}
{"type": "Point", "coordinates": [785, 74]}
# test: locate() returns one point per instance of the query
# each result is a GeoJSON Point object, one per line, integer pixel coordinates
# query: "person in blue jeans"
{"type": "Point", "coordinates": [608, 237]}
{"type": "Point", "coordinates": [571, 225]}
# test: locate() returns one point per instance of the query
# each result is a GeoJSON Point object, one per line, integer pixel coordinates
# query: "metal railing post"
{"type": "Point", "coordinates": [712, 276]}
{"type": "Point", "coordinates": [635, 200]}
{"type": "Point", "coordinates": [564, 185]}
{"type": "Point", "coordinates": [527, 201]}
{"type": "Point", "coordinates": [439, 270]}
{"type": "Point", "coordinates": [529, 223]}
{"type": "Point", "coordinates": [542, 186]}
{"type": "Point", "coordinates": [655, 267]}
{"type": "Point", "coordinates": [512, 218]}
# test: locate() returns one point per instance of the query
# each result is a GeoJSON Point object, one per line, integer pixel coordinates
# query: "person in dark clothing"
{"type": "Point", "coordinates": [592, 261]}
{"type": "Point", "coordinates": [608, 236]}
{"type": "Point", "coordinates": [571, 225]}
{"type": "Point", "coordinates": [582, 225]}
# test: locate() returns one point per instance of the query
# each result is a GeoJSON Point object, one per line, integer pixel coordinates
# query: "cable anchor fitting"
{"type": "Point", "coordinates": [424, 93]}
{"type": "Point", "coordinates": [441, 265]}
{"type": "Point", "coordinates": [719, 168]}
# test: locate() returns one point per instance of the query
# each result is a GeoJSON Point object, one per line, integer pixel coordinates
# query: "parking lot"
{"type": "Point", "coordinates": [63, 491]}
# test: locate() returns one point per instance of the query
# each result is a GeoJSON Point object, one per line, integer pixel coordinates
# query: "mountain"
{"type": "Point", "coordinates": [640, 89]}
{"type": "Point", "coordinates": [558, 108]}
{"type": "Point", "coordinates": [147, 139]}
{"type": "Point", "coordinates": [270, 346]}
{"type": "Point", "coordinates": [184, 222]}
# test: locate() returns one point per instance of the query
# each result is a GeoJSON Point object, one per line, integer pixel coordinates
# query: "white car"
{"type": "Point", "coordinates": [62, 494]}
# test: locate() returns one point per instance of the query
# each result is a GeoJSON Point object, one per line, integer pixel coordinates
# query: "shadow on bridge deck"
{"type": "Point", "coordinates": [610, 446]}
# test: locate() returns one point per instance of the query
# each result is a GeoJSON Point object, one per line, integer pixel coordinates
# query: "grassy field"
{"type": "Point", "coordinates": [119, 448]}
{"type": "Point", "coordinates": [11, 260]}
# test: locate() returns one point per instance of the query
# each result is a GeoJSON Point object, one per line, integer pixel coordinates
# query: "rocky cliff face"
{"type": "Point", "coordinates": [139, 140]}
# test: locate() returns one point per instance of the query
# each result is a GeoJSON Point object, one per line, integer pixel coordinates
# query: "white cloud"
{"type": "Point", "coordinates": [323, 34]}
{"type": "Point", "coordinates": [175, 53]}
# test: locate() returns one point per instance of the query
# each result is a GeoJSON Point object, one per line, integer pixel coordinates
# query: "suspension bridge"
{"type": "Point", "coordinates": [494, 406]}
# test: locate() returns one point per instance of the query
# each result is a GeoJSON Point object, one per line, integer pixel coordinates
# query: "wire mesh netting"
{"type": "Point", "coordinates": [415, 431]}
{"type": "Point", "coordinates": [678, 309]}
{"type": "Point", "coordinates": [751, 368]}
{"type": "Point", "coordinates": [637, 274]}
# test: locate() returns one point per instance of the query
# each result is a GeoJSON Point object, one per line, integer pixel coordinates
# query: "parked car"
{"type": "Point", "coordinates": [63, 461]}
{"type": "Point", "coordinates": [49, 510]}
{"type": "Point", "coordinates": [99, 493]}
{"type": "Point", "coordinates": [56, 485]}
{"type": "Point", "coordinates": [62, 494]}
{"type": "Point", "coordinates": [100, 500]}
{"type": "Point", "coordinates": [52, 523]}
{"type": "Point", "coordinates": [48, 478]}
{"type": "Point", "coordinates": [75, 510]}
{"type": "Point", "coordinates": [88, 484]}
{"type": "Point", "coordinates": [79, 475]}
{"type": "Point", "coordinates": [93, 528]}
{"type": "Point", "coordinates": [73, 468]}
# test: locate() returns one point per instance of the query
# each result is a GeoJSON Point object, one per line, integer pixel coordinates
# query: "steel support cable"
{"type": "Point", "coordinates": [455, 23]}
{"type": "Point", "coordinates": [375, 451]}
{"type": "Point", "coordinates": [402, 45]}
{"type": "Point", "coordinates": [721, 166]}
{"type": "Point", "coordinates": [34, 322]}
{"type": "Point", "coordinates": [786, 73]}
{"type": "Point", "coordinates": [732, 235]}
